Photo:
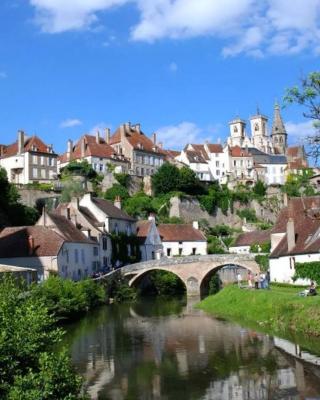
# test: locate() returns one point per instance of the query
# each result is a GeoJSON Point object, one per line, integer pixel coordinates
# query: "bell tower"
{"type": "Point", "coordinates": [279, 134]}
{"type": "Point", "coordinates": [259, 131]}
{"type": "Point", "coordinates": [237, 132]}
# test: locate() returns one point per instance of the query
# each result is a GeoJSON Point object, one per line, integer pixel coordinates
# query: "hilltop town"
{"type": "Point", "coordinates": [99, 205]}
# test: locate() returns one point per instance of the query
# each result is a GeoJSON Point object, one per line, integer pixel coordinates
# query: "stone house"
{"type": "Point", "coordinates": [97, 152]}
{"type": "Point", "coordinates": [145, 155]}
{"type": "Point", "coordinates": [295, 238]}
{"type": "Point", "coordinates": [29, 160]}
{"type": "Point", "coordinates": [108, 215]}
{"type": "Point", "coordinates": [62, 250]}
{"type": "Point", "coordinates": [86, 222]}
{"type": "Point", "coordinates": [182, 239]}
{"type": "Point", "coordinates": [151, 247]}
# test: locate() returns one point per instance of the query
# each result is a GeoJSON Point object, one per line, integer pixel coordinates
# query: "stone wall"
{"type": "Point", "coordinates": [29, 197]}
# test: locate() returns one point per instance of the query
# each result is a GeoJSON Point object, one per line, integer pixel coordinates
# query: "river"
{"type": "Point", "coordinates": [165, 349]}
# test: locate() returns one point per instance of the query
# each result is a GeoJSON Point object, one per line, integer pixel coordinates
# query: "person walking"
{"type": "Point", "coordinates": [256, 281]}
{"type": "Point", "coordinates": [239, 280]}
{"type": "Point", "coordinates": [249, 280]}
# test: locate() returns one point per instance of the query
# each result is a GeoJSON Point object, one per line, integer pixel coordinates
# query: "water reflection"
{"type": "Point", "coordinates": [164, 350]}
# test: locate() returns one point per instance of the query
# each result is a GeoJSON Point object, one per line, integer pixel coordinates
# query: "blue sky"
{"type": "Point", "coordinates": [182, 68]}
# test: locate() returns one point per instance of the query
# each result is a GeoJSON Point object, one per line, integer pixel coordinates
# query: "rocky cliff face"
{"type": "Point", "coordinates": [190, 210]}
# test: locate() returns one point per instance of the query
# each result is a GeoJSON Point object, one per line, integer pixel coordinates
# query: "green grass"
{"type": "Point", "coordinates": [279, 310]}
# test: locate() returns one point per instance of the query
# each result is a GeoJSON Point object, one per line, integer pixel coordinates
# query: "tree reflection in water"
{"type": "Point", "coordinates": [158, 349]}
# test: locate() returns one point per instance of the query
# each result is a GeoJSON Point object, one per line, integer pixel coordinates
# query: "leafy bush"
{"type": "Point", "coordinates": [71, 189]}
{"type": "Point", "coordinates": [123, 179]}
{"type": "Point", "coordinates": [263, 261]}
{"type": "Point", "coordinates": [139, 205]}
{"type": "Point", "coordinates": [248, 214]}
{"type": "Point", "coordinates": [30, 365]}
{"type": "Point", "coordinates": [307, 270]}
{"type": "Point", "coordinates": [118, 289]}
{"type": "Point", "coordinates": [121, 243]}
{"type": "Point", "coordinates": [214, 284]}
{"type": "Point", "coordinates": [166, 283]}
{"type": "Point", "coordinates": [215, 246]}
{"type": "Point", "coordinates": [261, 248]}
{"type": "Point", "coordinates": [115, 191]}
{"type": "Point", "coordinates": [260, 189]}
{"type": "Point", "coordinates": [67, 299]}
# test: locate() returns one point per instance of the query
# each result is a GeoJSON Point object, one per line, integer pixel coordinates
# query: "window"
{"type": "Point", "coordinates": [156, 161]}
{"type": "Point", "coordinates": [100, 167]}
{"type": "Point", "coordinates": [194, 251]}
{"type": "Point", "coordinates": [146, 159]}
{"type": "Point", "coordinates": [180, 251]}
{"type": "Point", "coordinates": [76, 256]}
{"type": "Point", "coordinates": [129, 230]}
{"type": "Point", "coordinates": [142, 171]}
{"type": "Point", "coordinates": [43, 173]}
{"type": "Point", "coordinates": [35, 172]}
{"type": "Point", "coordinates": [138, 171]}
{"type": "Point", "coordinates": [42, 160]}
{"type": "Point", "coordinates": [217, 163]}
{"type": "Point", "coordinates": [234, 163]}
{"type": "Point", "coordinates": [67, 256]}
{"type": "Point", "coordinates": [169, 252]}
{"type": "Point", "coordinates": [116, 229]}
{"type": "Point", "coordinates": [104, 243]}
{"type": "Point", "coordinates": [95, 251]}
{"type": "Point", "coordinates": [151, 160]}
{"type": "Point", "coordinates": [105, 261]}
{"type": "Point", "coordinates": [35, 159]}
{"type": "Point", "coordinates": [218, 172]}
{"type": "Point", "coordinates": [153, 255]}
{"type": "Point", "coordinates": [83, 258]}
{"type": "Point", "coordinates": [51, 162]}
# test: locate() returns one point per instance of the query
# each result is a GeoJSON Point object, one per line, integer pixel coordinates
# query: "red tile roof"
{"type": "Point", "coordinates": [215, 148]}
{"type": "Point", "coordinates": [306, 216]}
{"type": "Point", "coordinates": [29, 144]}
{"type": "Point", "coordinates": [200, 149]}
{"type": "Point", "coordinates": [68, 230]}
{"type": "Point", "coordinates": [93, 149]}
{"type": "Point", "coordinates": [195, 157]}
{"type": "Point", "coordinates": [14, 242]}
{"type": "Point", "coordinates": [143, 228]}
{"type": "Point", "coordinates": [180, 233]}
{"type": "Point", "coordinates": [237, 151]}
{"type": "Point", "coordinates": [111, 210]}
{"type": "Point", "coordinates": [250, 238]}
{"type": "Point", "coordinates": [138, 140]}
{"type": "Point", "coordinates": [293, 151]}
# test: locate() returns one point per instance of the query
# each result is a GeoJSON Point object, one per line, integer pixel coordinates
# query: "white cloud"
{"type": "Point", "coordinates": [300, 130]}
{"type": "Point", "coordinates": [177, 136]}
{"type": "Point", "coordinates": [70, 123]}
{"type": "Point", "coordinates": [254, 27]}
{"type": "Point", "coordinates": [3, 75]}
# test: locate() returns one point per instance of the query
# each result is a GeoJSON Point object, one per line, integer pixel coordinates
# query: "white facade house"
{"type": "Point", "coordinates": [151, 247]}
{"type": "Point", "coordinates": [111, 216]}
{"type": "Point", "coordinates": [28, 160]}
{"type": "Point", "coordinates": [86, 222]}
{"type": "Point", "coordinates": [65, 251]}
{"type": "Point", "coordinates": [182, 240]}
{"type": "Point", "coordinates": [295, 238]}
{"type": "Point", "coordinates": [196, 161]}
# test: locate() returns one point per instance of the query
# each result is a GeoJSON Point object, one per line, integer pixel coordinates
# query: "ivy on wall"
{"type": "Point", "coordinates": [308, 270]}
{"type": "Point", "coordinates": [125, 248]}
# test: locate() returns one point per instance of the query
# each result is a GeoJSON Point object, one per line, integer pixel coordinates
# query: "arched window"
{"type": "Point", "coordinates": [235, 129]}
{"type": "Point", "coordinates": [256, 127]}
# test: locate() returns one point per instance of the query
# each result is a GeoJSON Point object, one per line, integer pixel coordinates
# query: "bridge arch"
{"type": "Point", "coordinates": [205, 281]}
{"type": "Point", "coordinates": [137, 280]}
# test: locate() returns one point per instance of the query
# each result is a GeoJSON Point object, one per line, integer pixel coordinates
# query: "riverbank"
{"type": "Point", "coordinates": [280, 309]}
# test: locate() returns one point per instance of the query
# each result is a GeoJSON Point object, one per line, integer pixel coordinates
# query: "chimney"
{"type": "Point", "coordinates": [69, 149]}
{"type": "Point", "coordinates": [83, 148]}
{"type": "Point", "coordinates": [127, 127]}
{"type": "Point", "coordinates": [138, 128]}
{"type": "Point", "coordinates": [98, 137]}
{"type": "Point", "coordinates": [75, 202]}
{"type": "Point", "coordinates": [195, 225]}
{"type": "Point", "coordinates": [117, 202]}
{"type": "Point", "coordinates": [291, 237]}
{"type": "Point", "coordinates": [154, 139]}
{"type": "Point", "coordinates": [20, 141]}
{"type": "Point", "coordinates": [122, 132]}
{"type": "Point", "coordinates": [107, 138]}
{"type": "Point", "coordinates": [31, 245]}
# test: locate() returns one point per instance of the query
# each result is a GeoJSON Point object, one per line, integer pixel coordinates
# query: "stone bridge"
{"type": "Point", "coordinates": [194, 271]}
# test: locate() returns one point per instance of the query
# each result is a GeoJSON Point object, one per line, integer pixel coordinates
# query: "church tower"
{"type": "Point", "coordinates": [259, 132]}
{"type": "Point", "coordinates": [237, 132]}
{"type": "Point", "coordinates": [279, 135]}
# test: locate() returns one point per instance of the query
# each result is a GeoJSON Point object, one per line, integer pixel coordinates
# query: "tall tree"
{"type": "Point", "coordinates": [307, 94]}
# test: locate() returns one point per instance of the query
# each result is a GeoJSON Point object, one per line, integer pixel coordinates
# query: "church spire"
{"type": "Point", "coordinates": [278, 125]}
{"type": "Point", "coordinates": [279, 133]}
